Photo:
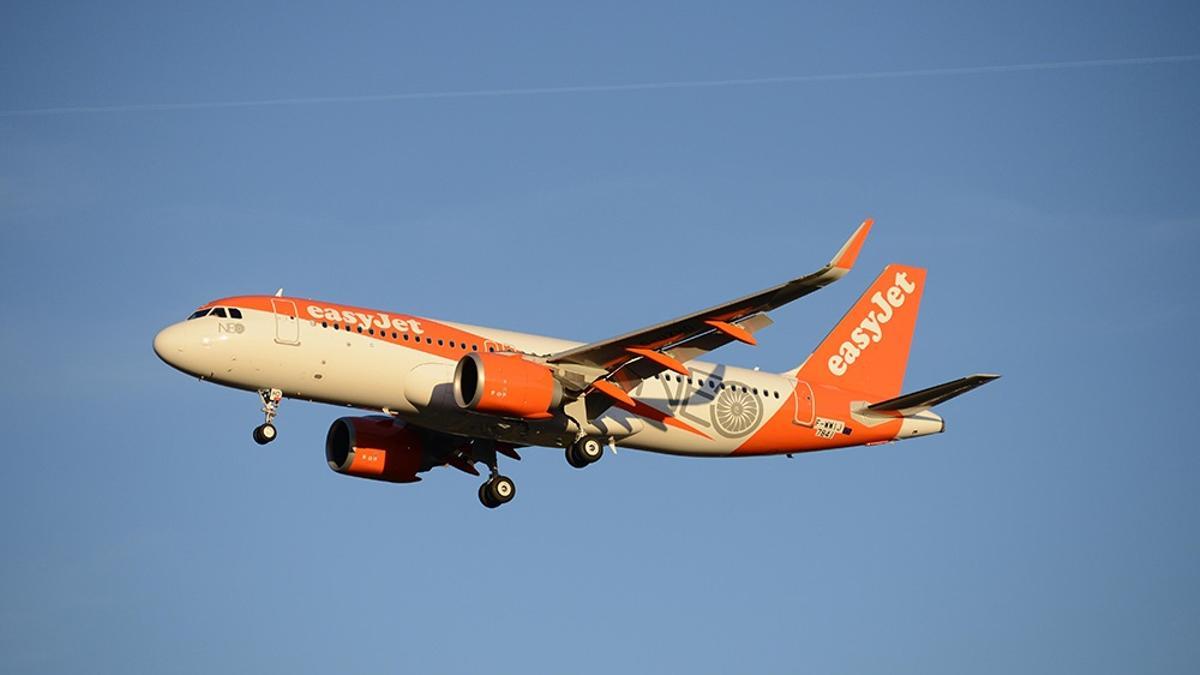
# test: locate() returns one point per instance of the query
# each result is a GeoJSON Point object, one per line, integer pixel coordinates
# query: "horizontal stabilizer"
{"type": "Point", "coordinates": [909, 404]}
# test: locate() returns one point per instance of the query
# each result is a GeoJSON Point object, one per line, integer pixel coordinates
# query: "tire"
{"type": "Point", "coordinates": [265, 433]}
{"type": "Point", "coordinates": [574, 459]}
{"type": "Point", "coordinates": [485, 497]}
{"type": "Point", "coordinates": [589, 449]}
{"type": "Point", "coordinates": [501, 489]}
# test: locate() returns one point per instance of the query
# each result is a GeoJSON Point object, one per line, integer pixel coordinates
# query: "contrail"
{"type": "Point", "coordinates": [600, 88]}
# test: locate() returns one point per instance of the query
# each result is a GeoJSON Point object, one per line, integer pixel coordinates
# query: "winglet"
{"type": "Point", "coordinates": [846, 256]}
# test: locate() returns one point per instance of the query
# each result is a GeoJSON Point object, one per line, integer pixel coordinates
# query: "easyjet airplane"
{"type": "Point", "coordinates": [452, 394]}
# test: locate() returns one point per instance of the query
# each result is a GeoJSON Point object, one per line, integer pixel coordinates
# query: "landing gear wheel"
{"type": "Point", "coordinates": [585, 451]}
{"type": "Point", "coordinates": [485, 498]}
{"type": "Point", "coordinates": [574, 459]}
{"type": "Point", "coordinates": [265, 433]}
{"type": "Point", "coordinates": [590, 449]}
{"type": "Point", "coordinates": [496, 491]}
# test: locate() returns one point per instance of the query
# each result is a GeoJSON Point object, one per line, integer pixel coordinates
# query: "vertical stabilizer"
{"type": "Point", "coordinates": [867, 351]}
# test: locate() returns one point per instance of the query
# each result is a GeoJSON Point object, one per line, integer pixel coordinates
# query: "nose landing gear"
{"type": "Point", "coordinates": [265, 432]}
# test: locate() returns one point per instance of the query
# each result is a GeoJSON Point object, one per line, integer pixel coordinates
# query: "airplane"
{"type": "Point", "coordinates": [448, 394]}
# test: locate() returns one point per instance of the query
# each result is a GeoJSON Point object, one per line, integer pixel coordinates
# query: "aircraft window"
{"type": "Point", "coordinates": [463, 345]}
{"type": "Point", "coordinates": [451, 343]}
{"type": "Point", "coordinates": [406, 337]}
{"type": "Point", "coordinates": [371, 331]}
{"type": "Point", "coordinates": [360, 329]}
{"type": "Point", "coordinates": [474, 348]}
{"type": "Point", "coordinates": [324, 324]}
{"type": "Point", "coordinates": [776, 394]}
{"type": "Point", "coordinates": [198, 313]}
{"type": "Point", "coordinates": [491, 349]}
{"type": "Point", "coordinates": [428, 340]}
{"type": "Point", "coordinates": [235, 313]}
{"type": "Point", "coordinates": [393, 335]}
{"type": "Point", "coordinates": [220, 311]}
{"type": "Point", "coordinates": [440, 343]}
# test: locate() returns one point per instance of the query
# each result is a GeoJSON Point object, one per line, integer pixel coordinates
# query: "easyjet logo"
{"type": "Point", "coordinates": [376, 320]}
{"type": "Point", "coordinates": [870, 329]}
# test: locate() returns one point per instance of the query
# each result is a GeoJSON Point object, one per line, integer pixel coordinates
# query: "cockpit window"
{"type": "Point", "coordinates": [235, 313]}
{"type": "Point", "coordinates": [199, 313]}
{"type": "Point", "coordinates": [220, 311]}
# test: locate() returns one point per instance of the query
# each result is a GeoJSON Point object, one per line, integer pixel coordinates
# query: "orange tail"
{"type": "Point", "coordinates": [867, 351]}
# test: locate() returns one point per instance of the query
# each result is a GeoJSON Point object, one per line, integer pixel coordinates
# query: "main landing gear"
{"type": "Point", "coordinates": [265, 432]}
{"type": "Point", "coordinates": [497, 490]}
{"type": "Point", "coordinates": [584, 451]}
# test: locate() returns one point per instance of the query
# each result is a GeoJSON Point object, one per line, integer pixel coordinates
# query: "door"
{"type": "Point", "coordinates": [287, 322]}
{"type": "Point", "coordinates": [804, 405]}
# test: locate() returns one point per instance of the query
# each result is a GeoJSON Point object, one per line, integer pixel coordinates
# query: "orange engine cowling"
{"type": "Point", "coordinates": [374, 447]}
{"type": "Point", "coordinates": [508, 385]}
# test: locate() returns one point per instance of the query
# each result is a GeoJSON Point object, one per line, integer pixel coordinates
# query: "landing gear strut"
{"type": "Point", "coordinates": [586, 450]}
{"type": "Point", "coordinates": [265, 432]}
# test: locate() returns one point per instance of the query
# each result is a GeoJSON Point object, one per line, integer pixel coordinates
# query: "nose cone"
{"type": "Point", "coordinates": [171, 344]}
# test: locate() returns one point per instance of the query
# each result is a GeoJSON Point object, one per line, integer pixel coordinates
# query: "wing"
{"type": "Point", "coordinates": [643, 353]}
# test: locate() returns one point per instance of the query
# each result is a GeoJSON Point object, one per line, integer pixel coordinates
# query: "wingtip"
{"type": "Point", "coordinates": [846, 256]}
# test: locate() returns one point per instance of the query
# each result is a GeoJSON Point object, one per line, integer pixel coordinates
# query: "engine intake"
{"type": "Point", "coordinates": [508, 385]}
{"type": "Point", "coordinates": [374, 447]}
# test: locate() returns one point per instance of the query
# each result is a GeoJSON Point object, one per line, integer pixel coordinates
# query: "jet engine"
{"type": "Point", "coordinates": [508, 385]}
{"type": "Point", "coordinates": [375, 447]}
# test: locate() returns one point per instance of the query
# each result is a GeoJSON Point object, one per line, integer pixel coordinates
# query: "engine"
{"type": "Point", "coordinates": [375, 447]}
{"type": "Point", "coordinates": [507, 385]}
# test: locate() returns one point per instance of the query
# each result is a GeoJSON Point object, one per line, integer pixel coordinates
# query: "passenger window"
{"type": "Point", "coordinates": [235, 313]}
{"type": "Point", "coordinates": [220, 311]}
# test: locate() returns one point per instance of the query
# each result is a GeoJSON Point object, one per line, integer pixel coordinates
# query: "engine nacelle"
{"type": "Point", "coordinates": [375, 447]}
{"type": "Point", "coordinates": [507, 385]}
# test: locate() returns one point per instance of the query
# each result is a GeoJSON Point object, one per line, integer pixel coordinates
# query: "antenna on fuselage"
{"type": "Point", "coordinates": [279, 293]}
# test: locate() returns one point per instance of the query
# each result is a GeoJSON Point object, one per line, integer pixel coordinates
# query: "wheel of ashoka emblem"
{"type": "Point", "coordinates": [736, 412]}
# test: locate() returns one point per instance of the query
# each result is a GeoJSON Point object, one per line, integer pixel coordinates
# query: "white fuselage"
{"type": "Point", "coordinates": [289, 348]}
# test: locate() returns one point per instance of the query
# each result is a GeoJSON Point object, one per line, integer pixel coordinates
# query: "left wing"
{"type": "Point", "coordinates": [632, 357]}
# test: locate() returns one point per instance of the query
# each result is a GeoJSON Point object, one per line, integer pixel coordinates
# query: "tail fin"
{"type": "Point", "coordinates": [867, 351]}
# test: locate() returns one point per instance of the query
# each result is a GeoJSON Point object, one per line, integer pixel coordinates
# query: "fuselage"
{"type": "Point", "coordinates": [403, 365]}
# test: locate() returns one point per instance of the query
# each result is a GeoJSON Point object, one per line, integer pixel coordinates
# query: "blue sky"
{"type": "Point", "coordinates": [1053, 528]}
